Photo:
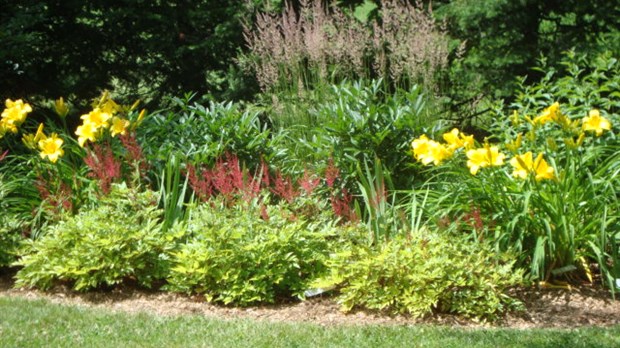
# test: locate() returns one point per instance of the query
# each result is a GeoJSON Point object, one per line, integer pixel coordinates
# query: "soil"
{"type": "Point", "coordinates": [586, 305]}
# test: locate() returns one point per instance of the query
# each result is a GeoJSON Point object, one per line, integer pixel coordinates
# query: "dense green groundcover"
{"type": "Point", "coordinates": [27, 323]}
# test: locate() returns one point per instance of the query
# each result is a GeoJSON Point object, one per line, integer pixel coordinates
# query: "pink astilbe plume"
{"type": "Point", "coordinates": [103, 166]}
{"type": "Point", "coordinates": [331, 173]}
{"type": "Point", "coordinates": [200, 182]}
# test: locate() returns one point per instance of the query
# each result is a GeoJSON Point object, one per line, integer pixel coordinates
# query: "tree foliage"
{"type": "Point", "coordinates": [504, 38]}
{"type": "Point", "coordinates": [140, 48]}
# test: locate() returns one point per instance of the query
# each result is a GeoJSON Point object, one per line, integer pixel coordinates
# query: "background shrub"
{"type": "Point", "coordinates": [202, 134]}
{"type": "Point", "coordinates": [357, 124]}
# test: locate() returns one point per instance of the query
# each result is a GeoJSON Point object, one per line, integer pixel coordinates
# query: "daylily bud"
{"type": "Point", "coordinates": [135, 105]}
{"type": "Point", "coordinates": [61, 108]}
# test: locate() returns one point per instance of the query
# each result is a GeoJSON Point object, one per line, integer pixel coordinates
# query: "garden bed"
{"type": "Point", "coordinates": [584, 305]}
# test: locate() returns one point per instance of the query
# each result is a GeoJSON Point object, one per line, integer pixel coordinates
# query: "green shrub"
{"type": "Point", "coordinates": [10, 236]}
{"type": "Point", "coordinates": [422, 273]}
{"type": "Point", "coordinates": [11, 227]}
{"type": "Point", "coordinates": [118, 240]}
{"type": "Point", "coordinates": [204, 133]}
{"type": "Point", "coordinates": [237, 256]}
{"type": "Point", "coordinates": [360, 123]}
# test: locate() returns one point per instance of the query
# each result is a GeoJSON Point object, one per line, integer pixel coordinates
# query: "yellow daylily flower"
{"type": "Point", "coordinates": [110, 107]}
{"type": "Point", "coordinates": [51, 148]}
{"type": "Point", "coordinates": [85, 132]}
{"type": "Point", "coordinates": [14, 114]}
{"type": "Point", "coordinates": [522, 164]}
{"type": "Point", "coordinates": [456, 140]}
{"type": "Point", "coordinates": [552, 113]}
{"type": "Point", "coordinates": [515, 119]}
{"type": "Point", "coordinates": [134, 105]}
{"type": "Point", "coordinates": [484, 157]}
{"type": "Point", "coordinates": [514, 145]}
{"type": "Point", "coordinates": [31, 140]}
{"type": "Point", "coordinates": [119, 126]}
{"type": "Point", "coordinates": [574, 144]}
{"type": "Point", "coordinates": [97, 118]}
{"type": "Point", "coordinates": [28, 140]}
{"type": "Point", "coordinates": [429, 151]}
{"type": "Point", "coordinates": [595, 122]}
{"type": "Point", "coordinates": [541, 169]}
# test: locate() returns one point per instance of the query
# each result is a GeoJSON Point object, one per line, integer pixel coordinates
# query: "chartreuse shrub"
{"type": "Point", "coordinates": [117, 240]}
{"type": "Point", "coordinates": [545, 186]}
{"type": "Point", "coordinates": [420, 273]}
{"type": "Point", "coordinates": [246, 256]}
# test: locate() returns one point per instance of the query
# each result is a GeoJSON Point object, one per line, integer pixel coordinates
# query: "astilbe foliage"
{"type": "Point", "coordinates": [56, 195]}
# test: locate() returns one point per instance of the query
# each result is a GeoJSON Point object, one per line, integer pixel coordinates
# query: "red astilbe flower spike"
{"type": "Point", "coordinates": [103, 166]}
{"type": "Point", "coordinates": [283, 188]}
{"type": "Point", "coordinates": [331, 173]}
{"type": "Point", "coordinates": [134, 152]}
{"type": "Point", "coordinates": [266, 180]}
{"type": "Point", "coordinates": [199, 182]}
{"type": "Point", "coordinates": [60, 200]}
{"type": "Point", "coordinates": [308, 182]}
{"type": "Point", "coordinates": [252, 186]}
{"type": "Point", "coordinates": [341, 205]}
{"type": "Point", "coordinates": [222, 182]}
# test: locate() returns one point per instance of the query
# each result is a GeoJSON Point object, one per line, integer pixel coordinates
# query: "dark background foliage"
{"type": "Point", "coordinates": [76, 48]}
{"type": "Point", "coordinates": [148, 49]}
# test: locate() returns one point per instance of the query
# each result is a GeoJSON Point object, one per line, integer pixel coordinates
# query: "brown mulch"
{"type": "Point", "coordinates": [586, 305]}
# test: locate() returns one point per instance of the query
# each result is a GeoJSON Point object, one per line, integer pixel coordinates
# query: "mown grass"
{"type": "Point", "coordinates": [38, 323]}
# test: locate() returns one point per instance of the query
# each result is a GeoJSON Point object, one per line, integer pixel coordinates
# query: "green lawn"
{"type": "Point", "coordinates": [27, 323]}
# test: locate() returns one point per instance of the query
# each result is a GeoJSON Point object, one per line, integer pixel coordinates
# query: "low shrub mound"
{"type": "Point", "coordinates": [234, 256]}
{"type": "Point", "coordinates": [422, 273]}
{"type": "Point", "coordinates": [117, 240]}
